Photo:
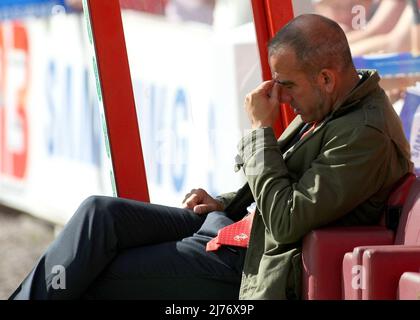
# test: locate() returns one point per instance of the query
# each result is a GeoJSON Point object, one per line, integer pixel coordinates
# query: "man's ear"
{"type": "Point", "coordinates": [327, 79]}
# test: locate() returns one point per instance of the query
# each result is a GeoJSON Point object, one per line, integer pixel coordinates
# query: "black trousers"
{"type": "Point", "coordinates": [114, 248]}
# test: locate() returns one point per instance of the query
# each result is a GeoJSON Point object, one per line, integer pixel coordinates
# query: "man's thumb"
{"type": "Point", "coordinates": [202, 208]}
{"type": "Point", "coordinates": [275, 93]}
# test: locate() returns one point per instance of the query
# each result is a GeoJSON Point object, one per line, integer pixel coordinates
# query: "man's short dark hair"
{"type": "Point", "coordinates": [317, 41]}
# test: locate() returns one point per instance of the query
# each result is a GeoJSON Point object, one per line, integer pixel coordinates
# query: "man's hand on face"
{"type": "Point", "coordinates": [201, 202]}
{"type": "Point", "coordinates": [262, 104]}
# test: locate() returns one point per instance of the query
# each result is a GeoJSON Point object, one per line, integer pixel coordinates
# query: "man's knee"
{"type": "Point", "coordinates": [95, 203]}
{"type": "Point", "coordinates": [95, 208]}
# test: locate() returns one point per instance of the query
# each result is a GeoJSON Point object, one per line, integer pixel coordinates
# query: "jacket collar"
{"type": "Point", "coordinates": [370, 80]}
{"type": "Point", "coordinates": [291, 130]}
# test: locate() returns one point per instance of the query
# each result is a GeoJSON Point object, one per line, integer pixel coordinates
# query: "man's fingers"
{"type": "Point", "coordinates": [263, 90]}
{"type": "Point", "coordinates": [191, 201]}
{"type": "Point", "coordinates": [275, 92]}
{"type": "Point", "coordinates": [186, 197]}
{"type": "Point", "coordinates": [266, 87]}
{"type": "Point", "coordinates": [202, 208]}
{"type": "Point", "coordinates": [208, 207]}
{"type": "Point", "coordinates": [199, 201]}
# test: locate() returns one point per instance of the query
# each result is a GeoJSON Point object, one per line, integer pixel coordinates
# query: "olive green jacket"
{"type": "Point", "coordinates": [341, 174]}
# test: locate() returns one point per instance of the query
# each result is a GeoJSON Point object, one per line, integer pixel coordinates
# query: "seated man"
{"type": "Point", "coordinates": [334, 164]}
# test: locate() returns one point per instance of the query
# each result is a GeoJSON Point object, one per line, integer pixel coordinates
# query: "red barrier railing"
{"type": "Point", "coordinates": [115, 91]}
{"type": "Point", "coordinates": [269, 17]}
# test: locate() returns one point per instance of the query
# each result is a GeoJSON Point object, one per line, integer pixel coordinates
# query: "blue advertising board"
{"type": "Point", "coordinates": [410, 118]}
{"type": "Point", "coordinates": [389, 65]}
{"type": "Point", "coordinates": [18, 9]}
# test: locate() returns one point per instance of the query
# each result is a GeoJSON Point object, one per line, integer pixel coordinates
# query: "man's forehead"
{"type": "Point", "coordinates": [283, 78]}
{"type": "Point", "coordinates": [283, 61]}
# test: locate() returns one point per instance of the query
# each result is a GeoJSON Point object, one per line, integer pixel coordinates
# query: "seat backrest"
{"type": "Point", "coordinates": [396, 201]}
{"type": "Point", "coordinates": [408, 231]}
{"type": "Point", "coordinates": [402, 188]}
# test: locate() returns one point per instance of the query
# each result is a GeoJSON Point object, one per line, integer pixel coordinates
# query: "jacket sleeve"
{"type": "Point", "coordinates": [347, 171]}
{"type": "Point", "coordinates": [226, 198]}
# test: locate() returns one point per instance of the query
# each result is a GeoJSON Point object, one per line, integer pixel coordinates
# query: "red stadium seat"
{"type": "Point", "coordinates": [323, 249]}
{"type": "Point", "coordinates": [409, 286]}
{"type": "Point", "coordinates": [322, 254]}
{"type": "Point", "coordinates": [373, 272]}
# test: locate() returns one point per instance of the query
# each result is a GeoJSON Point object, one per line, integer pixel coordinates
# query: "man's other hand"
{"type": "Point", "coordinates": [201, 202]}
{"type": "Point", "coordinates": [262, 104]}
